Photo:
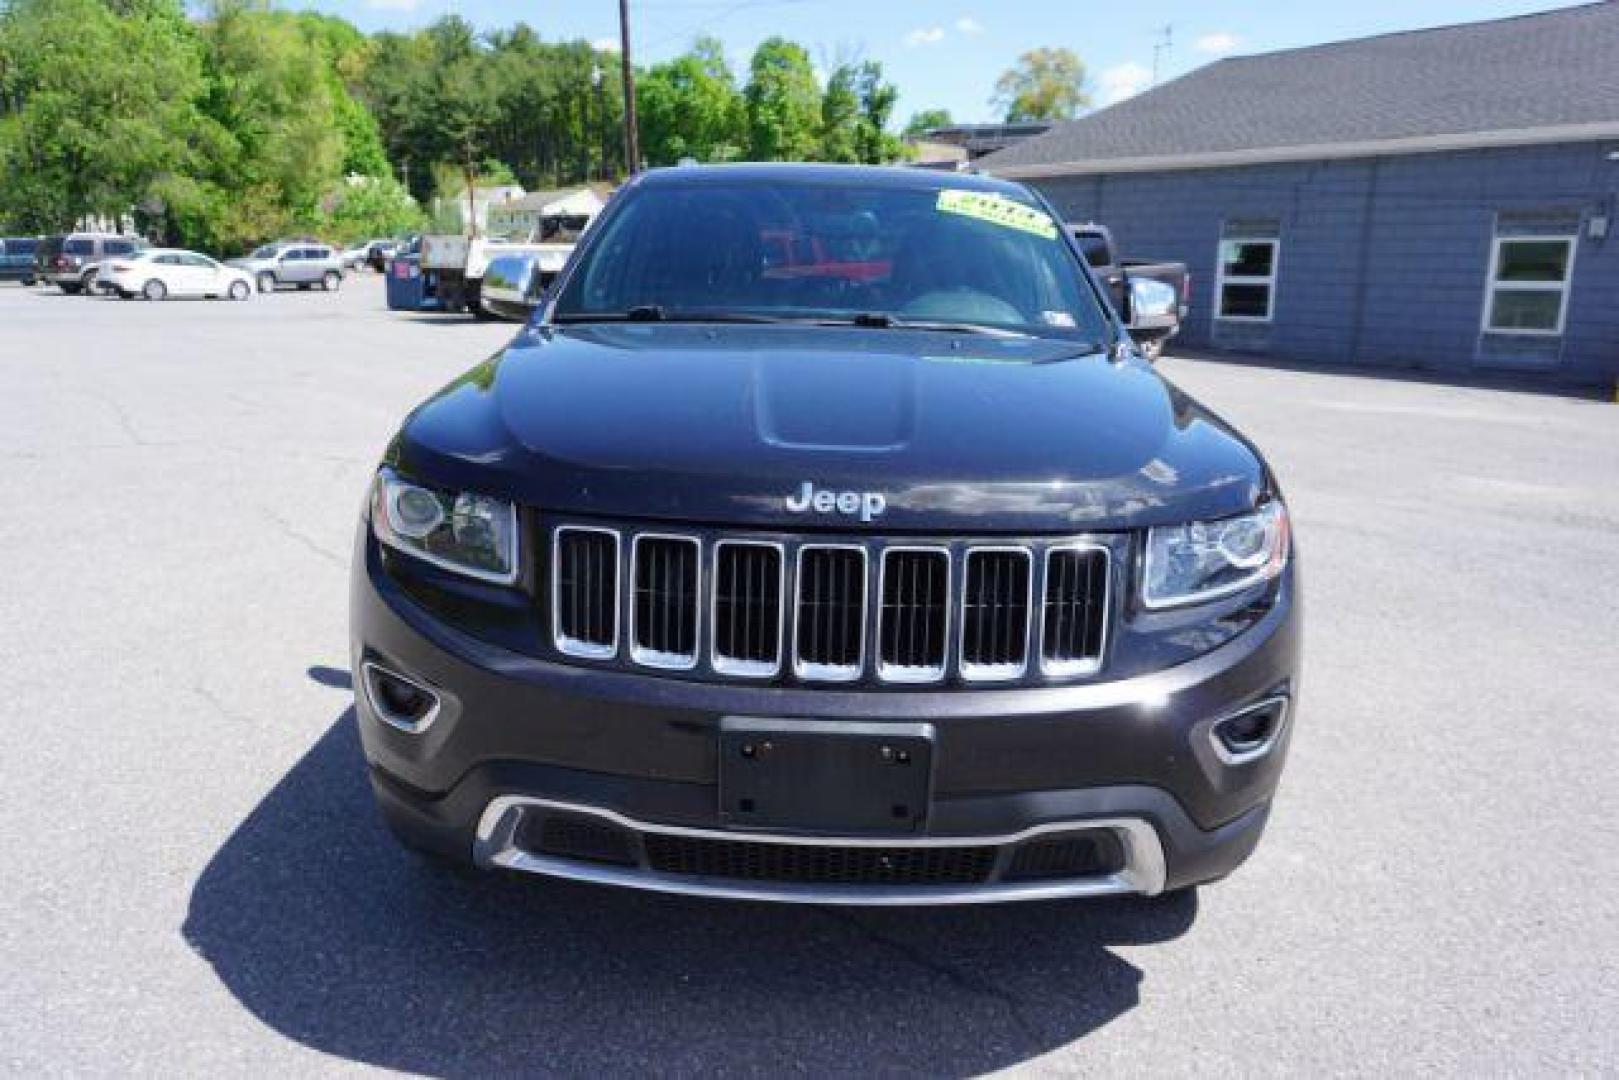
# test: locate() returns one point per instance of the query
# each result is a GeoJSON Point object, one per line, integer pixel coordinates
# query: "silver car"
{"type": "Point", "coordinates": [297, 262]}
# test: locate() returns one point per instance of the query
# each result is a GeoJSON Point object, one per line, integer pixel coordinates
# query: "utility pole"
{"type": "Point", "coordinates": [1162, 47]}
{"type": "Point", "coordinates": [632, 134]}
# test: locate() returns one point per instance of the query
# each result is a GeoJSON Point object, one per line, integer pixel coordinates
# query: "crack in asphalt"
{"type": "Point", "coordinates": [121, 414]}
{"type": "Point", "coordinates": [961, 980]}
{"type": "Point", "coordinates": [218, 705]}
{"type": "Point", "coordinates": [287, 529]}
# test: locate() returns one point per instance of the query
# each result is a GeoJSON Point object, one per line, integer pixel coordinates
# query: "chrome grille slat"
{"type": "Point", "coordinates": [584, 591]}
{"type": "Point", "coordinates": [666, 579]}
{"type": "Point", "coordinates": [997, 596]}
{"type": "Point", "coordinates": [829, 638]}
{"type": "Point", "coordinates": [746, 608]}
{"type": "Point", "coordinates": [914, 624]}
{"type": "Point", "coordinates": [1074, 609]}
{"type": "Point", "coordinates": [769, 606]}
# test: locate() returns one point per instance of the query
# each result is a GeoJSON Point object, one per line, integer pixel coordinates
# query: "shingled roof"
{"type": "Point", "coordinates": [1536, 78]}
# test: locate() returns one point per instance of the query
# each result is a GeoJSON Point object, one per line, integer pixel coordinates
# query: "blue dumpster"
{"type": "Point", "coordinates": [405, 285]}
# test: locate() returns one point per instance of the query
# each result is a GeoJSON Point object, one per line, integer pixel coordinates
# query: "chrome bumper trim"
{"type": "Point", "coordinates": [369, 670]}
{"type": "Point", "coordinates": [1264, 746]}
{"type": "Point", "coordinates": [1143, 873]}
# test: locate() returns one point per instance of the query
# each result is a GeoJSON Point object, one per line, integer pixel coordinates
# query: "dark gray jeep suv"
{"type": "Point", "coordinates": [72, 261]}
{"type": "Point", "coordinates": [825, 538]}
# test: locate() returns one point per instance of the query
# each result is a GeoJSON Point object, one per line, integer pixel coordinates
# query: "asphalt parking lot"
{"type": "Point", "coordinates": [192, 880]}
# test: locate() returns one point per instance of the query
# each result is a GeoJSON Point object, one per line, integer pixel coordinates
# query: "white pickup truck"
{"type": "Point", "coordinates": [458, 262]}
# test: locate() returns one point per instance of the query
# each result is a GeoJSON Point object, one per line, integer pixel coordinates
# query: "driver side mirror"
{"type": "Point", "coordinates": [1148, 304]}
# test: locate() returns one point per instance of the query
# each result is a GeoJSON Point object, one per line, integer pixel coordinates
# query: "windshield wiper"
{"type": "Point", "coordinates": [1082, 348]}
{"type": "Point", "coordinates": [659, 313]}
{"type": "Point", "coordinates": [881, 320]}
{"type": "Point", "coordinates": [876, 320]}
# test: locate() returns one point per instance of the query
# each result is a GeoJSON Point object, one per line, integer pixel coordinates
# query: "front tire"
{"type": "Point", "coordinates": [70, 287]}
{"type": "Point", "coordinates": [154, 290]}
{"type": "Point", "coordinates": [239, 290]}
{"type": "Point", "coordinates": [331, 280]}
{"type": "Point", "coordinates": [266, 283]}
{"type": "Point", "coordinates": [88, 283]}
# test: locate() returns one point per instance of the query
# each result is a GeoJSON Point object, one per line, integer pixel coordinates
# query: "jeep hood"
{"type": "Point", "coordinates": [721, 424]}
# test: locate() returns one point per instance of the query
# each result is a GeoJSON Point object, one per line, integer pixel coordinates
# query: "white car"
{"type": "Point", "coordinates": [157, 273]}
{"type": "Point", "coordinates": [355, 257]}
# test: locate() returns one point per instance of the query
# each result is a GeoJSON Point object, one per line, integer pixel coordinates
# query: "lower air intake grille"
{"type": "Point", "coordinates": [574, 836]}
{"type": "Point", "coordinates": [831, 612]}
{"type": "Point", "coordinates": [747, 608]}
{"type": "Point", "coordinates": [584, 605]}
{"type": "Point", "coordinates": [995, 613]}
{"type": "Point", "coordinates": [813, 864]}
{"type": "Point", "coordinates": [1075, 616]}
{"type": "Point", "coordinates": [664, 618]}
{"type": "Point", "coordinates": [1067, 855]}
{"type": "Point", "coordinates": [915, 614]}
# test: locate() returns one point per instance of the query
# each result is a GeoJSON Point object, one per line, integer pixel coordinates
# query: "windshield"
{"type": "Point", "coordinates": [875, 254]}
{"type": "Point", "coordinates": [266, 252]}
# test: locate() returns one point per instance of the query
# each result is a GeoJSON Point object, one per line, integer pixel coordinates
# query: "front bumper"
{"type": "Point", "coordinates": [1130, 762]}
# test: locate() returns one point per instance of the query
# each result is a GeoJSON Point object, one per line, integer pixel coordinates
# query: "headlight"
{"type": "Point", "coordinates": [1207, 559]}
{"type": "Point", "coordinates": [470, 534]}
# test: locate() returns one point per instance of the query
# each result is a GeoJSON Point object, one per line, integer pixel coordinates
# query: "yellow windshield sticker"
{"type": "Point", "coordinates": [997, 210]}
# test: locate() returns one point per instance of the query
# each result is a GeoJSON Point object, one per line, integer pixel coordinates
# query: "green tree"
{"type": "Point", "coordinates": [690, 107]}
{"type": "Point", "coordinates": [1046, 84]}
{"type": "Point", "coordinates": [366, 207]}
{"type": "Point", "coordinates": [874, 143]}
{"type": "Point", "coordinates": [926, 120]}
{"type": "Point", "coordinates": [855, 113]}
{"type": "Point", "coordinates": [783, 103]}
{"type": "Point", "coordinates": [363, 154]}
{"type": "Point", "coordinates": [550, 111]}
{"type": "Point", "coordinates": [840, 117]}
{"type": "Point", "coordinates": [98, 109]}
{"type": "Point", "coordinates": [273, 92]}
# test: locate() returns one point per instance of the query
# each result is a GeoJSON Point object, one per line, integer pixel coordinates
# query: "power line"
{"type": "Point", "coordinates": [725, 13]}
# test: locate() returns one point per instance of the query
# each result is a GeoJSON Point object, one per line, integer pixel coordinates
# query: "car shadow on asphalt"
{"type": "Point", "coordinates": [333, 936]}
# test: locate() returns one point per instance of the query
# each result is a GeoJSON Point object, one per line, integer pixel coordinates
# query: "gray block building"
{"type": "Point", "coordinates": [1441, 199]}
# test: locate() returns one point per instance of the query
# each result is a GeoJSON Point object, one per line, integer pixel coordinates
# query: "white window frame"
{"type": "Point", "coordinates": [1221, 280]}
{"type": "Point", "coordinates": [1493, 286]}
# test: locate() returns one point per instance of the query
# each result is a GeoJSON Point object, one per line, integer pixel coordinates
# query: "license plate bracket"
{"type": "Point", "coordinates": [824, 776]}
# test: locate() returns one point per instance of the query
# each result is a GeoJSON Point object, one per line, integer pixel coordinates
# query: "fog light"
{"type": "Point", "coordinates": [399, 701]}
{"type": "Point", "coordinates": [1251, 733]}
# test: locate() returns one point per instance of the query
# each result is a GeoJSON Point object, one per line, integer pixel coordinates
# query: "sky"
{"type": "Point", "coordinates": [948, 53]}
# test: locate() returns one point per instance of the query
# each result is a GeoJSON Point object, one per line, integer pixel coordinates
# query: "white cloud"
{"type": "Point", "coordinates": [392, 5]}
{"type": "Point", "coordinates": [928, 35]}
{"type": "Point", "coordinates": [1218, 43]}
{"type": "Point", "coordinates": [969, 25]}
{"type": "Point", "coordinates": [1122, 81]}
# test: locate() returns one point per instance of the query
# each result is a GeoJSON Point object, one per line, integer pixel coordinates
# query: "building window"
{"type": "Point", "coordinates": [1245, 287]}
{"type": "Point", "coordinates": [1529, 278]}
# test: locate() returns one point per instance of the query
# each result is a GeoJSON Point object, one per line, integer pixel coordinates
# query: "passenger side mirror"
{"type": "Point", "coordinates": [512, 287]}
